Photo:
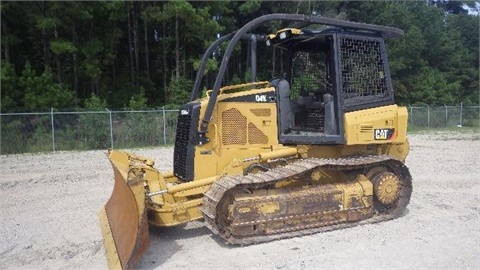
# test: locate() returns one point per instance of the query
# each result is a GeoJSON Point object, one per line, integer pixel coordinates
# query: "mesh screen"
{"type": "Point", "coordinates": [236, 131]}
{"type": "Point", "coordinates": [234, 127]}
{"type": "Point", "coordinates": [255, 135]}
{"type": "Point", "coordinates": [261, 112]}
{"type": "Point", "coordinates": [362, 70]}
{"type": "Point", "coordinates": [308, 71]}
{"type": "Point", "coordinates": [181, 147]}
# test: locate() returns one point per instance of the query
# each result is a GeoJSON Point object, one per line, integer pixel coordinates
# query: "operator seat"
{"type": "Point", "coordinates": [286, 117]}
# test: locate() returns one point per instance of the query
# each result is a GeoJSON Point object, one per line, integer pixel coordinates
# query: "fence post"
{"type": "Point", "coordinates": [461, 114]}
{"type": "Point", "coordinates": [428, 115]}
{"type": "Point", "coordinates": [446, 115]}
{"type": "Point", "coordinates": [53, 129]}
{"type": "Point", "coordinates": [164, 128]}
{"type": "Point", "coordinates": [111, 128]}
{"type": "Point", "coordinates": [410, 115]}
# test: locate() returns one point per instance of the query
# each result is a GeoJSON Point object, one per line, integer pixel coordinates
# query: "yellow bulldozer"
{"type": "Point", "coordinates": [319, 147]}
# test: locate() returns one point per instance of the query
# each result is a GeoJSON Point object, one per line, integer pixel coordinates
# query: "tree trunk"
{"type": "Point", "coordinates": [114, 74]}
{"type": "Point", "coordinates": [93, 82]}
{"type": "Point", "coordinates": [75, 71]}
{"type": "Point", "coordinates": [57, 59]}
{"type": "Point", "coordinates": [145, 33]}
{"type": "Point", "coordinates": [6, 47]}
{"type": "Point", "coordinates": [135, 46]}
{"type": "Point", "coordinates": [177, 50]}
{"type": "Point", "coordinates": [46, 51]}
{"type": "Point", "coordinates": [130, 51]}
{"type": "Point", "coordinates": [165, 69]}
{"type": "Point", "coordinates": [184, 61]}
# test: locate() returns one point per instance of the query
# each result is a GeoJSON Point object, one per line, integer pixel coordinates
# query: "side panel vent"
{"type": "Point", "coordinates": [261, 112]}
{"type": "Point", "coordinates": [234, 127]}
{"type": "Point", "coordinates": [366, 128]}
{"type": "Point", "coordinates": [255, 135]}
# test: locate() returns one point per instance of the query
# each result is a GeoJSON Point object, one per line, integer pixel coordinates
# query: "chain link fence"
{"type": "Point", "coordinates": [62, 131]}
{"type": "Point", "coordinates": [443, 116]}
{"type": "Point", "coordinates": [87, 130]}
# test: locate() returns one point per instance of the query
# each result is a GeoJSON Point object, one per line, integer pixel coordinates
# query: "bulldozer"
{"type": "Point", "coordinates": [321, 146]}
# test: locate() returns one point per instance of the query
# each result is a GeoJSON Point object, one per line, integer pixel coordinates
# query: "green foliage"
{"type": "Point", "coordinates": [12, 139]}
{"type": "Point", "coordinates": [74, 49]}
{"type": "Point", "coordinates": [137, 102]}
{"type": "Point", "coordinates": [179, 91]}
{"type": "Point", "coordinates": [94, 129]}
{"type": "Point", "coordinates": [46, 23]}
{"type": "Point", "coordinates": [27, 133]}
{"type": "Point", "coordinates": [31, 91]}
{"type": "Point", "coordinates": [212, 65]}
{"type": "Point", "coordinates": [94, 103]}
{"type": "Point", "coordinates": [40, 140]}
{"type": "Point", "coordinates": [432, 63]}
{"type": "Point", "coordinates": [303, 83]}
{"type": "Point", "coordinates": [11, 95]}
{"type": "Point", "coordinates": [433, 88]}
{"type": "Point", "coordinates": [250, 6]}
{"type": "Point", "coordinates": [41, 92]}
{"type": "Point", "coordinates": [92, 64]}
{"type": "Point", "coordinates": [139, 129]}
{"type": "Point", "coordinates": [62, 46]}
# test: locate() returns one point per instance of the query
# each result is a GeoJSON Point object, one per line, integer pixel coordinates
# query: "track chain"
{"type": "Point", "coordinates": [214, 197]}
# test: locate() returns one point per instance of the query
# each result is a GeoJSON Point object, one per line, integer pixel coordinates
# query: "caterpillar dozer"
{"type": "Point", "coordinates": [319, 147]}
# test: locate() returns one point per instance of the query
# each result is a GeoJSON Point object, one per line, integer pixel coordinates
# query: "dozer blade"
{"type": "Point", "coordinates": [124, 219]}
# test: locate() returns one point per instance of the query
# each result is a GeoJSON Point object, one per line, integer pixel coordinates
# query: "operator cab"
{"type": "Point", "coordinates": [327, 73]}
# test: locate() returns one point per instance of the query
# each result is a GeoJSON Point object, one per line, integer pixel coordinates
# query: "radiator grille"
{"type": "Point", "coordinates": [181, 147]}
{"type": "Point", "coordinates": [234, 127]}
{"type": "Point", "coordinates": [261, 112]}
{"type": "Point", "coordinates": [255, 135]}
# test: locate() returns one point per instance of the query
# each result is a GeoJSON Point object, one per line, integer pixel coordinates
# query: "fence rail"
{"type": "Point", "coordinates": [87, 130]}
{"type": "Point", "coordinates": [444, 116]}
{"type": "Point", "coordinates": [59, 131]}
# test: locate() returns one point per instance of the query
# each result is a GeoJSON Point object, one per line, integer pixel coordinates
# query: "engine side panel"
{"type": "Point", "coordinates": [386, 124]}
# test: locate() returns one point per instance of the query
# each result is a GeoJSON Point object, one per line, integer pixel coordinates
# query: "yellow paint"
{"type": "Point", "coordinates": [268, 208]}
{"type": "Point", "coordinates": [360, 125]}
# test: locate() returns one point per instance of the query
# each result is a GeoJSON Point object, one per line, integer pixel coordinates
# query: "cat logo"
{"type": "Point", "coordinates": [384, 134]}
{"type": "Point", "coordinates": [261, 98]}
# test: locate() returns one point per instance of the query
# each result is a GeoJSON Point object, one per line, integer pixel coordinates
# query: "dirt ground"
{"type": "Point", "coordinates": [49, 204]}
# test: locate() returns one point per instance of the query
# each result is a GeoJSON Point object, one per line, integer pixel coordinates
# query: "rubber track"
{"type": "Point", "coordinates": [215, 195]}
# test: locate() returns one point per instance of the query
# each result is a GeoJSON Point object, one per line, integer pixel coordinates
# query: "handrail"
{"type": "Point", "coordinates": [203, 63]}
{"type": "Point", "coordinates": [195, 93]}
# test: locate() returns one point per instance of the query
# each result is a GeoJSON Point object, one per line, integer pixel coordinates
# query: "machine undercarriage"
{"type": "Point", "coordinates": [303, 198]}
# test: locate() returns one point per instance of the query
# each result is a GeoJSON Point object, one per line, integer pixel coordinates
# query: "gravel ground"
{"type": "Point", "coordinates": [49, 204]}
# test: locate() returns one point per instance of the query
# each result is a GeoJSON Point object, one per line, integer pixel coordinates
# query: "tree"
{"type": "Point", "coordinates": [117, 49]}
{"type": "Point", "coordinates": [41, 92]}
